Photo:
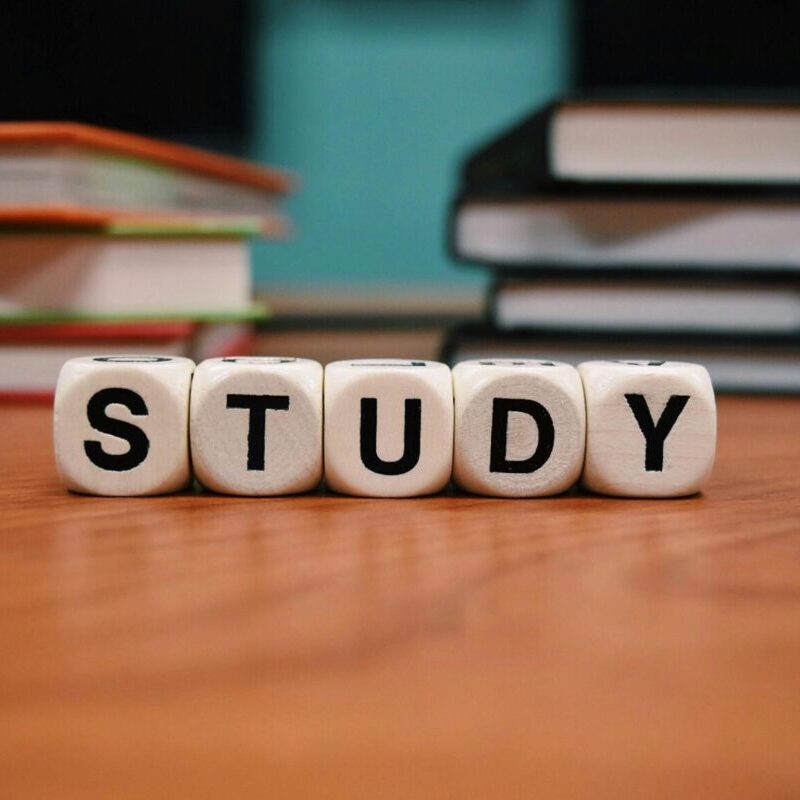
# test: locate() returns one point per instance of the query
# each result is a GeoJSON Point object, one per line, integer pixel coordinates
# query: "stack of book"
{"type": "Point", "coordinates": [640, 229]}
{"type": "Point", "coordinates": [117, 243]}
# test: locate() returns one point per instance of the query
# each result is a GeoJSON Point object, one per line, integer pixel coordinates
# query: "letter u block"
{"type": "Point", "coordinates": [520, 427]}
{"type": "Point", "coordinates": [388, 427]}
{"type": "Point", "coordinates": [652, 428]}
{"type": "Point", "coordinates": [121, 423]}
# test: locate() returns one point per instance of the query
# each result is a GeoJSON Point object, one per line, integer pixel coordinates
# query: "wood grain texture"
{"type": "Point", "coordinates": [208, 647]}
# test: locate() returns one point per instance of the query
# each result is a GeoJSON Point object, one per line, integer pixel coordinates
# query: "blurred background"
{"type": "Point", "coordinates": [373, 103]}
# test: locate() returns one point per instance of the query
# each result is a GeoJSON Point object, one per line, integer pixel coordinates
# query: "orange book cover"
{"type": "Point", "coordinates": [111, 217]}
{"type": "Point", "coordinates": [178, 156]}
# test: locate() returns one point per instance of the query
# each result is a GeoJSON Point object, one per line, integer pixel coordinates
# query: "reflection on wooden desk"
{"type": "Point", "coordinates": [206, 646]}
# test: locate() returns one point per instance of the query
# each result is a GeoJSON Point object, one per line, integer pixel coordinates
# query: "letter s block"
{"type": "Point", "coordinates": [121, 424]}
{"type": "Point", "coordinates": [651, 428]}
{"type": "Point", "coordinates": [256, 425]}
{"type": "Point", "coordinates": [388, 427]}
{"type": "Point", "coordinates": [520, 427]}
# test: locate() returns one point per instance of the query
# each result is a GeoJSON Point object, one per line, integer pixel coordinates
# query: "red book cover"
{"type": "Point", "coordinates": [66, 332]}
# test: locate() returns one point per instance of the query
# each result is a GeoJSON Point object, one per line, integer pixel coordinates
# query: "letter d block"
{"type": "Point", "coordinates": [388, 427]}
{"type": "Point", "coordinates": [651, 428]}
{"type": "Point", "coordinates": [256, 425]}
{"type": "Point", "coordinates": [520, 427]}
{"type": "Point", "coordinates": [121, 424]}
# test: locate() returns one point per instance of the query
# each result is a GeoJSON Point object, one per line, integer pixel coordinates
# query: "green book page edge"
{"type": "Point", "coordinates": [254, 313]}
{"type": "Point", "coordinates": [238, 227]}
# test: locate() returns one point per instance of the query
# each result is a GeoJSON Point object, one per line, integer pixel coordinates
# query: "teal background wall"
{"type": "Point", "coordinates": [373, 102]}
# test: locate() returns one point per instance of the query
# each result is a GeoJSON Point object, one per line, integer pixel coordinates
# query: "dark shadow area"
{"type": "Point", "coordinates": [174, 68]}
{"type": "Point", "coordinates": [716, 47]}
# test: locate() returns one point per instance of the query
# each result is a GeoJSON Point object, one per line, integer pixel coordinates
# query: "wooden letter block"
{"type": "Point", "coordinates": [256, 425]}
{"type": "Point", "coordinates": [520, 427]}
{"type": "Point", "coordinates": [651, 428]}
{"type": "Point", "coordinates": [121, 424]}
{"type": "Point", "coordinates": [388, 427]}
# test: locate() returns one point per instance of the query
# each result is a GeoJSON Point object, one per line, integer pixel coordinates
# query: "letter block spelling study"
{"type": "Point", "coordinates": [260, 426]}
{"type": "Point", "coordinates": [120, 424]}
{"type": "Point", "coordinates": [388, 427]}
{"type": "Point", "coordinates": [256, 425]}
{"type": "Point", "coordinates": [529, 416]}
{"type": "Point", "coordinates": [651, 427]}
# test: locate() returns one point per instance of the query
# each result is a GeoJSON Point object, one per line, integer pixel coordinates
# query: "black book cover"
{"type": "Point", "coordinates": [623, 276]}
{"type": "Point", "coordinates": [746, 344]}
{"type": "Point", "coordinates": [516, 163]}
{"type": "Point", "coordinates": [789, 195]}
{"type": "Point", "coordinates": [697, 275]}
{"type": "Point", "coordinates": [515, 166]}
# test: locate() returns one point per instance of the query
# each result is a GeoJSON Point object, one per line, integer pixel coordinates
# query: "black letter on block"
{"type": "Point", "coordinates": [257, 404]}
{"type": "Point", "coordinates": [136, 437]}
{"type": "Point", "coordinates": [656, 434]}
{"type": "Point", "coordinates": [501, 408]}
{"type": "Point", "coordinates": [412, 435]}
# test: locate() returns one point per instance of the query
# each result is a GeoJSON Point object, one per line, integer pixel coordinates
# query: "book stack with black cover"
{"type": "Point", "coordinates": [640, 229]}
{"type": "Point", "coordinates": [116, 243]}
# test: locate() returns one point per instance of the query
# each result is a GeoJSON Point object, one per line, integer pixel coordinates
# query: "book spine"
{"type": "Point", "coordinates": [516, 162]}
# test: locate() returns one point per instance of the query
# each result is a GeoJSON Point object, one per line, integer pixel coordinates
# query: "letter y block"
{"type": "Point", "coordinates": [651, 428]}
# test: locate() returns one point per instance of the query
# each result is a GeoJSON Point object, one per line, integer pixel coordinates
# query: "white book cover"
{"type": "Point", "coordinates": [648, 306]}
{"type": "Point", "coordinates": [94, 274]}
{"type": "Point", "coordinates": [676, 143]}
{"type": "Point", "coordinates": [636, 232]}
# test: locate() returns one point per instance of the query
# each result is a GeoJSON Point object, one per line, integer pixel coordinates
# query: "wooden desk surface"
{"type": "Point", "coordinates": [209, 647]}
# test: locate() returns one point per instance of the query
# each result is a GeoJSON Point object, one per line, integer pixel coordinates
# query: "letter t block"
{"type": "Point", "coordinates": [256, 425]}
{"type": "Point", "coordinates": [651, 428]}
